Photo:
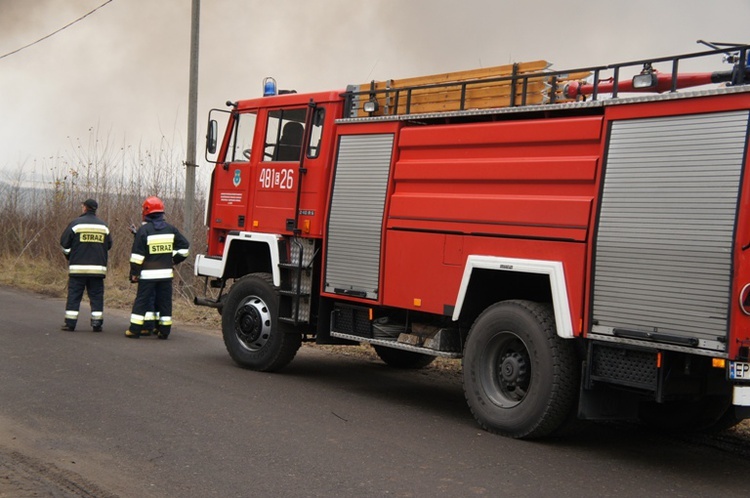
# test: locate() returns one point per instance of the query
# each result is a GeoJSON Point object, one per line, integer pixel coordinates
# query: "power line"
{"type": "Point", "coordinates": [55, 32]}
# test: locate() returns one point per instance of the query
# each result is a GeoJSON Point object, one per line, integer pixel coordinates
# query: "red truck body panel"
{"type": "Point", "coordinates": [480, 187]}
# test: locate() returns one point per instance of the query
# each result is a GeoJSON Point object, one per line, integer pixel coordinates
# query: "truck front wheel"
{"type": "Point", "coordinates": [520, 378]}
{"type": "Point", "coordinates": [252, 333]}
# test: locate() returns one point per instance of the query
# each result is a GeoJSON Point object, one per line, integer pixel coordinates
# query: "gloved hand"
{"type": "Point", "coordinates": [133, 229]}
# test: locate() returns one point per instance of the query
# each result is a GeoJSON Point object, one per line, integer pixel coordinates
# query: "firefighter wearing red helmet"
{"type": "Point", "coordinates": [157, 247]}
{"type": "Point", "coordinates": [152, 205]}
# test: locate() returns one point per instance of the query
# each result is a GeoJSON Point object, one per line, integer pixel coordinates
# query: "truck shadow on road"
{"type": "Point", "coordinates": [429, 390]}
{"type": "Point", "coordinates": [438, 393]}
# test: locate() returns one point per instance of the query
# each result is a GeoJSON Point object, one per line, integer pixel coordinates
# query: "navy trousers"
{"type": "Point", "coordinates": [95, 288]}
{"type": "Point", "coordinates": [153, 296]}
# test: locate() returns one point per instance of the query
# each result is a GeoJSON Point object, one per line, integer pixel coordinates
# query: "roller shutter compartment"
{"type": "Point", "coordinates": [356, 215]}
{"type": "Point", "coordinates": [663, 254]}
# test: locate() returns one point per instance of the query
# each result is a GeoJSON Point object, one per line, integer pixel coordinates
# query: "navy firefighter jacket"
{"type": "Point", "coordinates": [156, 248]}
{"type": "Point", "coordinates": [85, 243]}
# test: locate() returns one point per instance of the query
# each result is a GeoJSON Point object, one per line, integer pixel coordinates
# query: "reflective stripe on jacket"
{"type": "Point", "coordinates": [156, 251]}
{"type": "Point", "coordinates": [86, 242]}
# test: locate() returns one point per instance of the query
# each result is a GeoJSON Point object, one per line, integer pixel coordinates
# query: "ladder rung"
{"type": "Point", "coordinates": [292, 266]}
{"type": "Point", "coordinates": [290, 293]}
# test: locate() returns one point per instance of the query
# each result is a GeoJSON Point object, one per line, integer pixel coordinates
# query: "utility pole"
{"type": "Point", "coordinates": [190, 164]}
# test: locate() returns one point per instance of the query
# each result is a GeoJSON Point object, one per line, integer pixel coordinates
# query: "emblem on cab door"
{"type": "Point", "coordinates": [237, 179]}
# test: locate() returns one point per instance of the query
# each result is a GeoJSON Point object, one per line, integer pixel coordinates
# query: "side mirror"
{"type": "Point", "coordinates": [213, 131]}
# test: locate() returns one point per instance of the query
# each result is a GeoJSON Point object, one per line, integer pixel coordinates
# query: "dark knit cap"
{"type": "Point", "coordinates": [90, 204]}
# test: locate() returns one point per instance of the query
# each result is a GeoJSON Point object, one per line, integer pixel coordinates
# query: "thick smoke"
{"type": "Point", "coordinates": [123, 71]}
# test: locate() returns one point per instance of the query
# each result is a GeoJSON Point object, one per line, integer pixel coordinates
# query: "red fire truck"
{"type": "Point", "coordinates": [578, 238]}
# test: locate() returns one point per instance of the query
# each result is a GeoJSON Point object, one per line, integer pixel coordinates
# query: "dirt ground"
{"type": "Point", "coordinates": [22, 476]}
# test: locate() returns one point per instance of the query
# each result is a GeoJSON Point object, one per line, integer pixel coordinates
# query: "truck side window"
{"type": "Point", "coordinates": [242, 138]}
{"type": "Point", "coordinates": [284, 135]}
{"type": "Point", "coordinates": [313, 146]}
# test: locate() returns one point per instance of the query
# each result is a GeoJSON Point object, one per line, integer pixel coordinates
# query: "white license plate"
{"type": "Point", "coordinates": [739, 370]}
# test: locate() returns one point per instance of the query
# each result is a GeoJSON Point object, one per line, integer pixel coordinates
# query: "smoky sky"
{"type": "Point", "coordinates": [122, 73]}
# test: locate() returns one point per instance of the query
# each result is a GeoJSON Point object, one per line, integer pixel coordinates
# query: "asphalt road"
{"type": "Point", "coordinates": [85, 414]}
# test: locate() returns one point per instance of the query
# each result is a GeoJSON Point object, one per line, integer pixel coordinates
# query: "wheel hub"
{"type": "Point", "coordinates": [253, 323]}
{"type": "Point", "coordinates": [249, 323]}
{"type": "Point", "coordinates": [513, 369]}
{"type": "Point", "coordinates": [511, 375]}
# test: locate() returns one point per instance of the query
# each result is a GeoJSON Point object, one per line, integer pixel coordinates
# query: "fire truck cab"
{"type": "Point", "coordinates": [578, 239]}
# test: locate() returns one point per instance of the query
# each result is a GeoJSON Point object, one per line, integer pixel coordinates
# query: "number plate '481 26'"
{"type": "Point", "coordinates": [739, 370]}
{"type": "Point", "coordinates": [272, 178]}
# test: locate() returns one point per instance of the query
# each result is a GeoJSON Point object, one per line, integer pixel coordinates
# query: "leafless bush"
{"type": "Point", "coordinates": [38, 201]}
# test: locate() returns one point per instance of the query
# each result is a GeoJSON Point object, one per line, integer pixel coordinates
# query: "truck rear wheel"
{"type": "Point", "coordinates": [520, 378]}
{"type": "Point", "coordinates": [398, 358]}
{"type": "Point", "coordinates": [252, 333]}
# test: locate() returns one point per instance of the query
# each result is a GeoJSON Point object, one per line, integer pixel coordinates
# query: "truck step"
{"type": "Point", "coordinates": [392, 343]}
{"type": "Point", "coordinates": [294, 266]}
{"type": "Point", "coordinates": [291, 293]}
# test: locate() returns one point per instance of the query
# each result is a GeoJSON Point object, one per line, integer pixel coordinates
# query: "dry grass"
{"type": "Point", "coordinates": [38, 201]}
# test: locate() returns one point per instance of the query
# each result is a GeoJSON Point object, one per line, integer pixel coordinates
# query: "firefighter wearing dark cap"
{"type": "Point", "coordinates": [85, 244]}
{"type": "Point", "coordinates": [157, 247]}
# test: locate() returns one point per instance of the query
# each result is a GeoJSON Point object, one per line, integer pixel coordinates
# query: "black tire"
{"type": "Point", "coordinates": [251, 329]}
{"type": "Point", "coordinates": [222, 302]}
{"type": "Point", "coordinates": [520, 378]}
{"type": "Point", "coordinates": [398, 358]}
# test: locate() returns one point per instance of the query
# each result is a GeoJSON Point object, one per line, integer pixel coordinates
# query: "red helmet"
{"type": "Point", "coordinates": [152, 205]}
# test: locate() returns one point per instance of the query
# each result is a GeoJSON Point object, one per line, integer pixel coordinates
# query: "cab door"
{"type": "Point", "coordinates": [278, 170]}
{"type": "Point", "coordinates": [231, 196]}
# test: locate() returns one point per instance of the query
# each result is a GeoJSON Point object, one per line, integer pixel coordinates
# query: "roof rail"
{"type": "Point", "coordinates": [533, 83]}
